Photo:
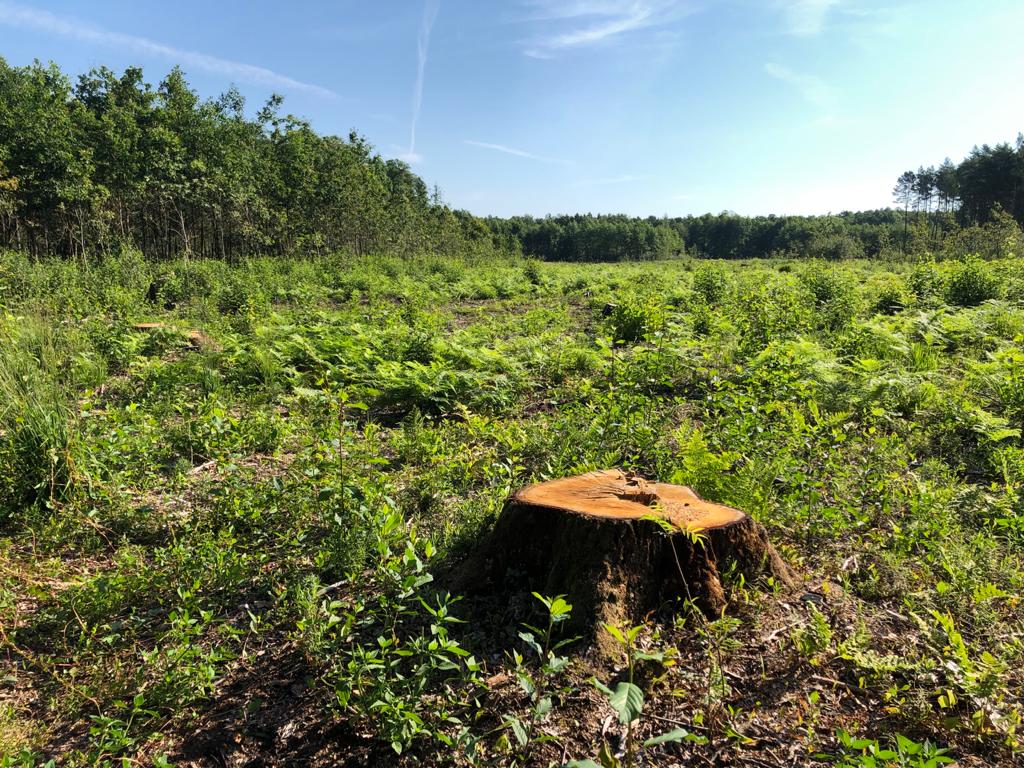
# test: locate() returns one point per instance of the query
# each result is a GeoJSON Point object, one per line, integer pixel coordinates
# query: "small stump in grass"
{"type": "Point", "coordinates": [619, 546]}
{"type": "Point", "coordinates": [196, 339]}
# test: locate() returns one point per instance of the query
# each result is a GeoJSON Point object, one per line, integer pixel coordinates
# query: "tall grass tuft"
{"type": "Point", "coordinates": [36, 421]}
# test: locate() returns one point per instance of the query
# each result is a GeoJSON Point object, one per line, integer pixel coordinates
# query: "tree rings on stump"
{"type": "Point", "coordinates": [619, 547]}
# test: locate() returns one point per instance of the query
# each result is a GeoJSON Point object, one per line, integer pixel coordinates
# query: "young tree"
{"type": "Point", "coordinates": [903, 194]}
{"type": "Point", "coordinates": [924, 189]}
{"type": "Point", "coordinates": [947, 185]}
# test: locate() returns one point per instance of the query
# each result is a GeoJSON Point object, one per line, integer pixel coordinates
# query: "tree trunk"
{"type": "Point", "coordinates": [619, 547]}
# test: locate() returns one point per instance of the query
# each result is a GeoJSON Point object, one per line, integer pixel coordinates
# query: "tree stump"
{"type": "Point", "coordinates": [619, 547]}
{"type": "Point", "coordinates": [196, 339]}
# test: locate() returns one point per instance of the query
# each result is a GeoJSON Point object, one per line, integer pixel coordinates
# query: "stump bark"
{"type": "Point", "coordinates": [619, 547]}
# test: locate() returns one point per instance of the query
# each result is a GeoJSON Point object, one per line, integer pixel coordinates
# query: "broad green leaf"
{"type": "Point", "coordinates": [650, 656]}
{"type": "Point", "coordinates": [615, 632]}
{"type": "Point", "coordinates": [560, 609]}
{"type": "Point", "coordinates": [628, 701]}
{"type": "Point", "coordinates": [518, 730]}
{"type": "Point", "coordinates": [907, 746]}
{"type": "Point", "coordinates": [543, 707]}
{"type": "Point", "coordinates": [671, 737]}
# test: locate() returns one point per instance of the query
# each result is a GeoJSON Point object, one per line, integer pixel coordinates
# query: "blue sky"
{"type": "Point", "coordinates": [646, 107]}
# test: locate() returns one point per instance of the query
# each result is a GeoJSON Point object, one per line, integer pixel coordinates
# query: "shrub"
{"type": "Point", "coordinates": [14, 277]}
{"type": "Point", "coordinates": [711, 282]}
{"type": "Point", "coordinates": [635, 317]}
{"type": "Point", "coordinates": [449, 269]}
{"type": "Point", "coordinates": [834, 298]}
{"type": "Point", "coordinates": [771, 311]}
{"type": "Point", "coordinates": [888, 294]}
{"type": "Point", "coordinates": [532, 271]}
{"type": "Point", "coordinates": [128, 269]}
{"type": "Point", "coordinates": [1015, 289]}
{"type": "Point", "coordinates": [836, 247]}
{"type": "Point", "coordinates": [926, 283]}
{"type": "Point", "coordinates": [971, 282]}
{"type": "Point", "coordinates": [1000, 237]}
{"type": "Point", "coordinates": [575, 285]}
{"type": "Point", "coordinates": [236, 296]}
{"type": "Point", "coordinates": [184, 281]}
{"type": "Point", "coordinates": [701, 319]}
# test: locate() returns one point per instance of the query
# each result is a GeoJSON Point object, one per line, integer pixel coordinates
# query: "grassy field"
{"type": "Point", "coordinates": [224, 538]}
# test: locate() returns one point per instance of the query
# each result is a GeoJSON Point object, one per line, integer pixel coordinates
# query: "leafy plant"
{"type": "Point", "coordinates": [385, 663]}
{"type": "Point", "coordinates": [539, 687]}
{"type": "Point", "coordinates": [834, 298]}
{"type": "Point", "coordinates": [627, 700]}
{"type": "Point", "coordinates": [926, 282]}
{"type": "Point", "coordinates": [636, 316]}
{"type": "Point", "coordinates": [711, 282]}
{"type": "Point", "coordinates": [971, 282]}
{"type": "Point", "coordinates": [903, 753]}
{"type": "Point", "coordinates": [814, 637]}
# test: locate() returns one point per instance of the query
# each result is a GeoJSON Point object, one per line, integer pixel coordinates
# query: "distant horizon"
{"type": "Point", "coordinates": [555, 215]}
{"type": "Point", "coordinates": [643, 108]}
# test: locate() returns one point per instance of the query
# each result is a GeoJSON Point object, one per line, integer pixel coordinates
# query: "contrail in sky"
{"type": "Point", "coordinates": [430, 9]}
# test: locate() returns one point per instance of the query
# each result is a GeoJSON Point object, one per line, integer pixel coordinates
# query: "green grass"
{"type": "Point", "coordinates": [176, 512]}
{"type": "Point", "coordinates": [37, 423]}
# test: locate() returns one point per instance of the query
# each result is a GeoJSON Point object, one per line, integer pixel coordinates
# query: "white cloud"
{"type": "Point", "coordinates": [513, 151]}
{"type": "Point", "coordinates": [812, 88]}
{"type": "Point", "coordinates": [430, 9]}
{"type": "Point", "coordinates": [635, 18]}
{"type": "Point", "coordinates": [26, 17]}
{"type": "Point", "coordinates": [544, 10]}
{"type": "Point", "coordinates": [573, 25]}
{"type": "Point", "coordinates": [806, 18]}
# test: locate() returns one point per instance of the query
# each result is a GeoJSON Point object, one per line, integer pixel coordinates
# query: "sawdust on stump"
{"type": "Point", "coordinates": [619, 547]}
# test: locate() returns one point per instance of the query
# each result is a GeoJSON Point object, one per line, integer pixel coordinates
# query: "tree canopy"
{"type": "Point", "coordinates": [723, 236]}
{"type": "Point", "coordinates": [112, 161]}
{"type": "Point", "coordinates": [989, 179]}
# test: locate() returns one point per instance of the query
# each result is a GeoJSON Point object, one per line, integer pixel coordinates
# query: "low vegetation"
{"type": "Point", "coordinates": [232, 497]}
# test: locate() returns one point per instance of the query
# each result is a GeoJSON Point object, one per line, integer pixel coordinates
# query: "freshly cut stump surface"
{"type": "Point", "coordinates": [196, 339]}
{"type": "Point", "coordinates": [602, 539]}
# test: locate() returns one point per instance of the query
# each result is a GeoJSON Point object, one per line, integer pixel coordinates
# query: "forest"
{"type": "Point", "coordinates": [109, 161]}
{"type": "Point", "coordinates": [301, 466]}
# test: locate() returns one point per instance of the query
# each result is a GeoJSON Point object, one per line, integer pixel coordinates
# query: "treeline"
{"type": "Point", "coordinates": [976, 206]}
{"type": "Point", "coordinates": [584, 237]}
{"type": "Point", "coordinates": [721, 236]}
{"type": "Point", "coordinates": [110, 161]}
{"type": "Point", "coordinates": [989, 180]}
